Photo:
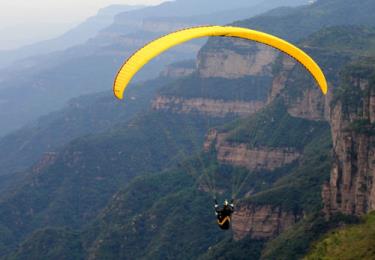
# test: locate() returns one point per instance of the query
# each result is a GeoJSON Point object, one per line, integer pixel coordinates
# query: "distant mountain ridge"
{"type": "Point", "coordinates": [48, 81]}
{"type": "Point", "coordinates": [290, 189]}
{"type": "Point", "coordinates": [131, 192]}
{"type": "Point", "coordinates": [74, 36]}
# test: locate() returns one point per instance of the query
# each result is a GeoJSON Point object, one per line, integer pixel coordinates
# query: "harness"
{"type": "Point", "coordinates": [227, 218]}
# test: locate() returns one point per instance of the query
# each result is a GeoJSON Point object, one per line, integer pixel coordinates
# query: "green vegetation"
{"type": "Point", "coordinates": [143, 218]}
{"type": "Point", "coordinates": [228, 181]}
{"type": "Point", "coordinates": [125, 198]}
{"type": "Point", "coordinates": [297, 23]}
{"type": "Point", "coordinates": [50, 244]}
{"type": "Point", "coordinates": [274, 127]}
{"type": "Point", "coordinates": [243, 89]}
{"type": "Point", "coordinates": [230, 249]}
{"type": "Point", "coordinates": [295, 242]}
{"type": "Point", "coordinates": [357, 85]}
{"type": "Point", "coordinates": [362, 126]}
{"type": "Point", "coordinates": [161, 216]}
{"type": "Point", "coordinates": [348, 242]}
{"type": "Point", "coordinates": [352, 40]}
{"type": "Point", "coordinates": [87, 172]}
{"type": "Point", "coordinates": [89, 114]}
{"type": "Point", "coordinates": [300, 189]}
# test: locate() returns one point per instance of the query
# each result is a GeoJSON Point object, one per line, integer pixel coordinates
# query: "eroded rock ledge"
{"type": "Point", "coordinates": [351, 188]}
{"type": "Point", "coordinates": [261, 222]}
{"type": "Point", "coordinates": [211, 107]}
{"type": "Point", "coordinates": [311, 105]}
{"type": "Point", "coordinates": [264, 158]}
{"type": "Point", "coordinates": [257, 60]}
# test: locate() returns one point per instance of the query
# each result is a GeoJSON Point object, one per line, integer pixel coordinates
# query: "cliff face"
{"type": "Point", "coordinates": [351, 190]}
{"type": "Point", "coordinates": [179, 70]}
{"type": "Point", "coordinates": [261, 222]}
{"type": "Point", "coordinates": [267, 221]}
{"type": "Point", "coordinates": [255, 60]}
{"type": "Point", "coordinates": [309, 103]}
{"type": "Point", "coordinates": [210, 107]}
{"type": "Point", "coordinates": [312, 106]}
{"type": "Point", "coordinates": [239, 67]}
{"type": "Point", "coordinates": [253, 159]}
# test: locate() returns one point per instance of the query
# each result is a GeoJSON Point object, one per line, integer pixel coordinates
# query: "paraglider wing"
{"type": "Point", "coordinates": [154, 48]}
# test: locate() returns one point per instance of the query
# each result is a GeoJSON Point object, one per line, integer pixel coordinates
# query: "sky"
{"type": "Point", "coordinates": [24, 20]}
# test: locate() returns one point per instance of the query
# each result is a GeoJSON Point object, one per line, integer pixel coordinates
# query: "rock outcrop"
{"type": "Point", "coordinates": [256, 159]}
{"type": "Point", "coordinates": [210, 107]}
{"type": "Point", "coordinates": [178, 70]}
{"type": "Point", "coordinates": [254, 60]}
{"type": "Point", "coordinates": [261, 222]}
{"type": "Point", "coordinates": [351, 189]}
{"type": "Point", "coordinates": [48, 159]}
{"type": "Point", "coordinates": [238, 154]}
{"type": "Point", "coordinates": [310, 104]}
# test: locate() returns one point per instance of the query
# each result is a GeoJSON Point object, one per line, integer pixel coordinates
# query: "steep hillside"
{"type": "Point", "coordinates": [154, 201]}
{"type": "Point", "coordinates": [54, 243]}
{"type": "Point", "coordinates": [350, 242]}
{"type": "Point", "coordinates": [134, 220]}
{"type": "Point", "coordinates": [68, 188]}
{"type": "Point", "coordinates": [297, 23]}
{"type": "Point", "coordinates": [90, 67]}
{"type": "Point", "coordinates": [74, 36]}
{"type": "Point", "coordinates": [85, 115]}
{"type": "Point", "coordinates": [288, 181]}
{"type": "Point", "coordinates": [351, 189]}
{"type": "Point", "coordinates": [293, 24]}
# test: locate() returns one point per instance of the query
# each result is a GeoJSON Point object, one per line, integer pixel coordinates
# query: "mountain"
{"type": "Point", "coordinates": [351, 242]}
{"type": "Point", "coordinates": [143, 189]}
{"type": "Point", "coordinates": [90, 67]}
{"type": "Point", "coordinates": [349, 190]}
{"type": "Point", "coordinates": [209, 11]}
{"type": "Point", "coordinates": [286, 168]}
{"type": "Point", "coordinates": [111, 204]}
{"type": "Point", "coordinates": [84, 173]}
{"type": "Point", "coordinates": [74, 36]}
{"type": "Point", "coordinates": [294, 24]}
{"type": "Point", "coordinates": [89, 114]}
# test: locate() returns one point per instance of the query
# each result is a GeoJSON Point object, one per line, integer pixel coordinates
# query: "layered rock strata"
{"type": "Point", "coordinates": [211, 107]}
{"type": "Point", "coordinates": [351, 188]}
{"type": "Point", "coordinates": [261, 222]}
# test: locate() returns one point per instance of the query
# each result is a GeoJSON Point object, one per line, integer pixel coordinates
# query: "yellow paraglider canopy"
{"type": "Point", "coordinates": [154, 48]}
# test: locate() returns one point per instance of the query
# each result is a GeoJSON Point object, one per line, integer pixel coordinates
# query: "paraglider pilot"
{"type": "Point", "coordinates": [224, 214]}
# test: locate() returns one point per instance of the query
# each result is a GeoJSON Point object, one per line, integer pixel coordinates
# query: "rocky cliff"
{"type": "Point", "coordinates": [305, 100]}
{"type": "Point", "coordinates": [239, 70]}
{"type": "Point", "coordinates": [179, 69]}
{"type": "Point", "coordinates": [264, 158]}
{"type": "Point", "coordinates": [210, 107]}
{"type": "Point", "coordinates": [351, 190]}
{"type": "Point", "coordinates": [261, 222]}
{"type": "Point", "coordinates": [240, 58]}
{"type": "Point", "coordinates": [267, 221]}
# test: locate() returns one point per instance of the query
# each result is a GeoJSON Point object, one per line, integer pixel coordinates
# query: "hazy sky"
{"type": "Point", "coordinates": [22, 20]}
